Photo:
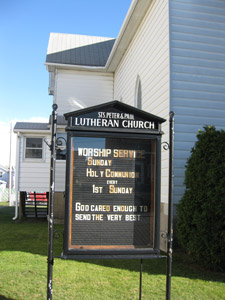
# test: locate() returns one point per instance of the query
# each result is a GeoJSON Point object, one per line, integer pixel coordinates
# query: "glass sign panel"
{"type": "Point", "coordinates": [112, 192]}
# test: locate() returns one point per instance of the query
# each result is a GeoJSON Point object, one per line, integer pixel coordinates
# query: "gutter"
{"type": "Point", "coordinates": [51, 67]}
{"type": "Point", "coordinates": [24, 131]}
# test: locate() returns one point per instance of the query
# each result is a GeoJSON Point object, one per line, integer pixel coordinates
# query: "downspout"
{"type": "Point", "coordinates": [18, 147]}
{"type": "Point", "coordinates": [10, 165]}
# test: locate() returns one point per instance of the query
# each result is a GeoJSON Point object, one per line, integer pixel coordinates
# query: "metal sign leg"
{"type": "Point", "coordinates": [140, 286]}
{"type": "Point", "coordinates": [170, 211]}
{"type": "Point", "coordinates": [51, 204]}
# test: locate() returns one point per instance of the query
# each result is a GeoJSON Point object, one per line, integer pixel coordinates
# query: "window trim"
{"type": "Point", "coordinates": [33, 159]}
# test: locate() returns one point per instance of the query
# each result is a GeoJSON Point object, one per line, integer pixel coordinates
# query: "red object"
{"type": "Point", "coordinates": [39, 196]}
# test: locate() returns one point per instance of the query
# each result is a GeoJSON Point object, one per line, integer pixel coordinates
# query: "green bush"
{"type": "Point", "coordinates": [201, 211]}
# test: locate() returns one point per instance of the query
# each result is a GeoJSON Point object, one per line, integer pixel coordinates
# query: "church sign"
{"type": "Point", "coordinates": [113, 183]}
{"type": "Point", "coordinates": [113, 120]}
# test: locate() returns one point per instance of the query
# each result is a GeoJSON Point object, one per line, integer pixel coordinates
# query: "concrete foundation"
{"type": "Point", "coordinates": [163, 226]}
{"type": "Point", "coordinates": [59, 206]}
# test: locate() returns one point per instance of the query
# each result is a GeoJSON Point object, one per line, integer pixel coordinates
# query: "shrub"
{"type": "Point", "coordinates": [201, 211]}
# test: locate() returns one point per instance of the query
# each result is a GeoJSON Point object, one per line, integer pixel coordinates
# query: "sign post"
{"type": "Point", "coordinates": [170, 209]}
{"type": "Point", "coordinates": [51, 203]}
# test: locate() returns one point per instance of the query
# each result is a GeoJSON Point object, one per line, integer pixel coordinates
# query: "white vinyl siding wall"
{"type": "Point", "coordinates": [148, 58]}
{"type": "Point", "coordinates": [197, 75]}
{"type": "Point", "coordinates": [33, 173]}
{"type": "Point", "coordinates": [75, 90]}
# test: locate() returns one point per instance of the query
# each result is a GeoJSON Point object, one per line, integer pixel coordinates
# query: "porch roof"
{"type": "Point", "coordinates": [31, 126]}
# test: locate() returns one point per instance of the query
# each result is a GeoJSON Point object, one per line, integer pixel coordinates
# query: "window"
{"type": "Point", "coordinates": [34, 148]}
{"type": "Point", "coordinates": [1, 173]}
{"type": "Point", "coordinates": [138, 99]}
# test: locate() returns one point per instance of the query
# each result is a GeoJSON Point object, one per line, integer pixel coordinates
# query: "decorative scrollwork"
{"type": "Point", "coordinates": [164, 235]}
{"type": "Point", "coordinates": [59, 143]}
{"type": "Point", "coordinates": [166, 145]}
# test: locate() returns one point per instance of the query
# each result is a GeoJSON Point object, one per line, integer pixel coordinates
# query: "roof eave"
{"type": "Point", "coordinates": [35, 131]}
{"type": "Point", "coordinates": [52, 66]}
{"type": "Point", "coordinates": [130, 25]}
{"type": "Point", "coordinates": [5, 169]}
{"type": "Point", "coordinates": [133, 19]}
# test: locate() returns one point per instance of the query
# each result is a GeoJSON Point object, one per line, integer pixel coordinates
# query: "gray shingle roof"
{"type": "Point", "coordinates": [39, 126]}
{"type": "Point", "coordinates": [78, 50]}
{"type": "Point", "coordinates": [31, 126]}
{"type": "Point", "coordinates": [60, 120]}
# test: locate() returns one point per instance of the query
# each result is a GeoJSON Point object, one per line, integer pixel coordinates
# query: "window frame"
{"type": "Point", "coordinates": [34, 159]}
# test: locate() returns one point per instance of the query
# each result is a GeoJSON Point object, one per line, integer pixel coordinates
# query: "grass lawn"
{"type": "Point", "coordinates": [4, 203]}
{"type": "Point", "coordinates": [23, 271]}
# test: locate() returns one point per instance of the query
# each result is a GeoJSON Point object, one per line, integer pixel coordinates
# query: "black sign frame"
{"type": "Point", "coordinates": [134, 134]}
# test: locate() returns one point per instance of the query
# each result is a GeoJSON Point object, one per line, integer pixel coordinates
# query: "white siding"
{"type": "Point", "coordinates": [197, 74]}
{"type": "Point", "coordinates": [78, 89]}
{"type": "Point", "coordinates": [148, 58]}
{"type": "Point", "coordinates": [34, 174]}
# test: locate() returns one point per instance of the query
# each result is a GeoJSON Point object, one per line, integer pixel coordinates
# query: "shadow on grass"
{"type": "Point", "coordinates": [181, 267]}
{"type": "Point", "coordinates": [4, 298]}
{"type": "Point", "coordinates": [31, 235]}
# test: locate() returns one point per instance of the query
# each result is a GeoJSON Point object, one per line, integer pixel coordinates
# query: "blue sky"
{"type": "Point", "coordinates": [25, 26]}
